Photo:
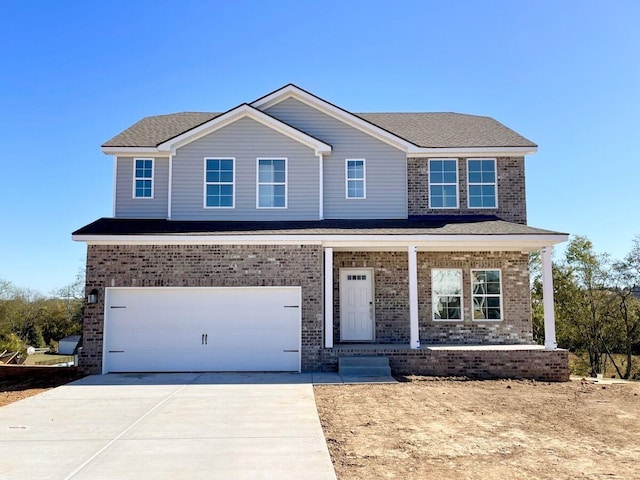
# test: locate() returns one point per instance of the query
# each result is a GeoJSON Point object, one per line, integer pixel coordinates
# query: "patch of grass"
{"type": "Point", "coordinates": [579, 365]}
{"type": "Point", "coordinates": [47, 359]}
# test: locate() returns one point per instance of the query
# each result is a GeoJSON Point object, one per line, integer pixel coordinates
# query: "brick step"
{"type": "Point", "coordinates": [364, 366]}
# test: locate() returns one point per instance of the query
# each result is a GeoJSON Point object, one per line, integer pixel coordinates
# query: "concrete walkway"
{"type": "Point", "coordinates": [177, 426]}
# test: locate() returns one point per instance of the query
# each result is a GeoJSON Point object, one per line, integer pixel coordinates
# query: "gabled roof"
{"type": "Point", "coordinates": [195, 126]}
{"type": "Point", "coordinates": [413, 132]}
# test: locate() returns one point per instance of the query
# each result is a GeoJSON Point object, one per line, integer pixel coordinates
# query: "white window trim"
{"type": "Point", "coordinates": [233, 184]}
{"type": "Point", "coordinates": [433, 299]}
{"type": "Point", "coordinates": [490, 295]}
{"type": "Point", "coordinates": [457, 184]}
{"type": "Point", "coordinates": [286, 183]}
{"type": "Point", "coordinates": [153, 174]}
{"type": "Point", "coordinates": [364, 178]}
{"type": "Point", "coordinates": [495, 184]}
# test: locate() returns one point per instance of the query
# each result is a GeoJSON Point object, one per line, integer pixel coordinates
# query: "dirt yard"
{"type": "Point", "coordinates": [453, 429]}
{"type": "Point", "coordinates": [17, 388]}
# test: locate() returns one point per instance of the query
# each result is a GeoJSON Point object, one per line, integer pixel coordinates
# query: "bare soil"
{"type": "Point", "coordinates": [17, 388]}
{"type": "Point", "coordinates": [425, 428]}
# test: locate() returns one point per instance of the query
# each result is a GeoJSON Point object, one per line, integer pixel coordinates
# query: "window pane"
{"type": "Point", "coordinates": [226, 177]}
{"type": "Point", "coordinates": [436, 177]}
{"type": "Point", "coordinates": [449, 165]}
{"type": "Point", "coordinates": [213, 164]}
{"type": "Point", "coordinates": [213, 177]}
{"type": "Point", "coordinates": [447, 281]}
{"type": "Point", "coordinates": [226, 165]}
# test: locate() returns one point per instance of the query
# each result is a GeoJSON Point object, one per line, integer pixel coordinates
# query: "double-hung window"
{"type": "Point", "coordinates": [481, 176]}
{"type": "Point", "coordinates": [486, 294]}
{"type": "Point", "coordinates": [143, 178]}
{"type": "Point", "coordinates": [272, 183]}
{"type": "Point", "coordinates": [443, 183]}
{"type": "Point", "coordinates": [219, 182]}
{"type": "Point", "coordinates": [446, 294]}
{"type": "Point", "coordinates": [355, 178]}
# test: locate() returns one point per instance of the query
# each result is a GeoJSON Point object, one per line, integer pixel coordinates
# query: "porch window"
{"type": "Point", "coordinates": [481, 178]}
{"type": "Point", "coordinates": [446, 288]}
{"type": "Point", "coordinates": [143, 178]}
{"type": "Point", "coordinates": [443, 183]}
{"type": "Point", "coordinates": [272, 183]}
{"type": "Point", "coordinates": [486, 288]}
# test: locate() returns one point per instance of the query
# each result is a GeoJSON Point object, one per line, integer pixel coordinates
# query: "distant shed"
{"type": "Point", "coordinates": [68, 345]}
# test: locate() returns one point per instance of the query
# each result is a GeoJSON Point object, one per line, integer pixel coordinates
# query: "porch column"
{"type": "Point", "coordinates": [328, 298]}
{"type": "Point", "coordinates": [414, 335]}
{"type": "Point", "coordinates": [547, 300]}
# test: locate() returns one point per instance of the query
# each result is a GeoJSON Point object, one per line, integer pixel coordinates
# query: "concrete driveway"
{"type": "Point", "coordinates": [178, 426]}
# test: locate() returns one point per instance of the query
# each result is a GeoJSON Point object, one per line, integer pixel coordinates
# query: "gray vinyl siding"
{"type": "Point", "coordinates": [245, 140]}
{"type": "Point", "coordinates": [128, 207]}
{"type": "Point", "coordinates": [386, 166]}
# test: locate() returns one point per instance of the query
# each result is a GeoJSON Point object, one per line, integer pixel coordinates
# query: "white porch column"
{"type": "Point", "coordinates": [414, 335]}
{"type": "Point", "coordinates": [547, 300]}
{"type": "Point", "coordinates": [328, 297]}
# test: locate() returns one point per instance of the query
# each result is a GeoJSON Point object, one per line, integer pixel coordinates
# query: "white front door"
{"type": "Point", "coordinates": [356, 304]}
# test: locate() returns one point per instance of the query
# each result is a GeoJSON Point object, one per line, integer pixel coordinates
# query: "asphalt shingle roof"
{"type": "Point", "coordinates": [448, 130]}
{"type": "Point", "coordinates": [418, 225]}
{"type": "Point", "coordinates": [430, 130]}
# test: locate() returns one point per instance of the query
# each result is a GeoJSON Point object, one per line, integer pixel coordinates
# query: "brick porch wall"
{"type": "Point", "coordinates": [392, 297]}
{"type": "Point", "coordinates": [542, 365]}
{"type": "Point", "coordinates": [511, 190]}
{"type": "Point", "coordinates": [204, 266]}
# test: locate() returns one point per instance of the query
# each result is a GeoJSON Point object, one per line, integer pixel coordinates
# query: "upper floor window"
{"type": "Point", "coordinates": [446, 293]}
{"type": "Point", "coordinates": [219, 182]}
{"type": "Point", "coordinates": [486, 294]}
{"type": "Point", "coordinates": [272, 183]}
{"type": "Point", "coordinates": [443, 183]}
{"type": "Point", "coordinates": [481, 174]}
{"type": "Point", "coordinates": [143, 178]}
{"type": "Point", "coordinates": [355, 179]}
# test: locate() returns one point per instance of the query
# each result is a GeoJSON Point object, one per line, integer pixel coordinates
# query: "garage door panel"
{"type": "Point", "coordinates": [203, 329]}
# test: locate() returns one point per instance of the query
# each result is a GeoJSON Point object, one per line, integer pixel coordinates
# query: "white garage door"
{"type": "Point", "coordinates": [202, 329]}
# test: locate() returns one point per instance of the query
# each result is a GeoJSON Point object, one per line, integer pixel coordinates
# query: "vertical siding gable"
{"type": "Point", "coordinates": [129, 207]}
{"type": "Point", "coordinates": [386, 181]}
{"type": "Point", "coordinates": [245, 140]}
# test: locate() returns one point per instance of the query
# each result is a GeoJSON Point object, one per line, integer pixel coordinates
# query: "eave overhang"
{"type": "Point", "coordinates": [524, 243]}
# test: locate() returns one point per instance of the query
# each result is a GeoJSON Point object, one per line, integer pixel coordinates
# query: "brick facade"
{"type": "Point", "coordinates": [391, 293]}
{"type": "Point", "coordinates": [511, 190]}
{"type": "Point", "coordinates": [536, 364]}
{"type": "Point", "coordinates": [204, 266]}
{"type": "Point", "coordinates": [302, 265]}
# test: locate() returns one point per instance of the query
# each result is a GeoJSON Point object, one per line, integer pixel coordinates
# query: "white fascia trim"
{"type": "Point", "coordinates": [134, 151]}
{"type": "Point", "coordinates": [471, 152]}
{"type": "Point", "coordinates": [236, 114]}
{"type": "Point", "coordinates": [350, 119]}
{"type": "Point", "coordinates": [380, 242]}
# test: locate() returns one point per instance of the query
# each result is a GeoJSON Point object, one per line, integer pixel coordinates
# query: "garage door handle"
{"type": "Point", "coordinates": [292, 306]}
{"type": "Point", "coordinates": [206, 338]}
{"type": "Point", "coordinates": [290, 351]}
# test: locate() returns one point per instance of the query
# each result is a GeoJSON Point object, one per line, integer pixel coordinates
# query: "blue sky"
{"type": "Point", "coordinates": [565, 74]}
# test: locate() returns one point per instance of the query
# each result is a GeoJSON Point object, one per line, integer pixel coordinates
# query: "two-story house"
{"type": "Point", "coordinates": [288, 232]}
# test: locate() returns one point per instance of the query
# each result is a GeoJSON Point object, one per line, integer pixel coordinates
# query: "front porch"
{"type": "Point", "coordinates": [533, 362]}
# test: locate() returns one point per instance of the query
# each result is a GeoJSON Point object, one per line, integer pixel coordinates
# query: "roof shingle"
{"type": "Point", "coordinates": [418, 225]}
{"type": "Point", "coordinates": [429, 130]}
